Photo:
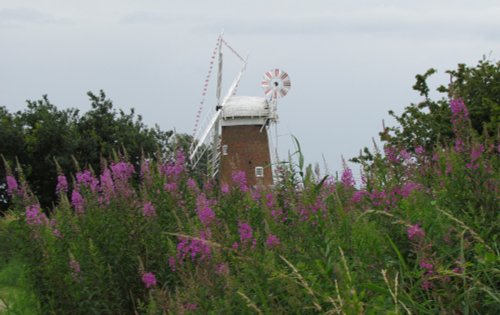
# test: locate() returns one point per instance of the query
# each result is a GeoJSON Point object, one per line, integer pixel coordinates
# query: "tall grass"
{"type": "Point", "coordinates": [16, 296]}
{"type": "Point", "coordinates": [417, 236]}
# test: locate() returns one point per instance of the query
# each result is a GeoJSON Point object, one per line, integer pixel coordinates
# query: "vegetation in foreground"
{"type": "Point", "coordinates": [418, 236]}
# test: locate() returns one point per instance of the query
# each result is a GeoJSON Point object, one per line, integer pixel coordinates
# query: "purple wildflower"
{"type": "Point", "coordinates": [191, 183]}
{"type": "Point", "coordinates": [449, 168]}
{"type": "Point", "coordinates": [145, 172]}
{"type": "Point", "coordinates": [245, 230]}
{"type": "Point", "coordinates": [149, 210]}
{"type": "Point", "coordinates": [408, 188]}
{"type": "Point", "coordinates": [427, 285]}
{"type": "Point", "coordinates": [235, 246]}
{"type": "Point", "coordinates": [458, 109]}
{"type": "Point", "coordinates": [256, 194]}
{"type": "Point", "coordinates": [378, 198]}
{"type": "Point", "coordinates": [224, 189]}
{"type": "Point", "coordinates": [405, 155]}
{"type": "Point", "coordinates": [428, 267]}
{"type": "Point", "coordinates": [190, 306]}
{"type": "Point", "coordinates": [205, 213]}
{"type": "Point", "coordinates": [175, 168]}
{"type": "Point", "coordinates": [415, 232]}
{"type": "Point", "coordinates": [34, 216]}
{"type": "Point", "coordinates": [278, 215]}
{"type": "Point", "coordinates": [172, 263]}
{"type": "Point", "coordinates": [77, 201]}
{"type": "Point", "coordinates": [222, 269]}
{"type": "Point", "coordinates": [272, 241]}
{"type": "Point", "coordinates": [459, 120]}
{"type": "Point", "coordinates": [149, 280]}
{"type": "Point", "coordinates": [459, 145]}
{"type": "Point", "coordinates": [419, 150]}
{"type": "Point", "coordinates": [55, 231]}
{"type": "Point", "coordinates": [180, 158]}
{"type": "Point", "coordinates": [196, 249]}
{"type": "Point", "coordinates": [475, 154]}
{"type": "Point", "coordinates": [62, 184]}
{"type": "Point", "coordinates": [86, 179]}
{"type": "Point", "coordinates": [240, 179]}
{"type": "Point", "coordinates": [347, 179]}
{"type": "Point", "coordinates": [358, 196]}
{"type": "Point", "coordinates": [12, 187]}
{"type": "Point", "coordinates": [269, 200]}
{"type": "Point", "coordinates": [170, 187]}
{"type": "Point", "coordinates": [122, 171]}
{"type": "Point", "coordinates": [391, 153]}
{"type": "Point", "coordinates": [107, 185]}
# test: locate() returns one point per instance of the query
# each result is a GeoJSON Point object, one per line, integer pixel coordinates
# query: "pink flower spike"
{"type": "Point", "coordinates": [62, 184]}
{"type": "Point", "coordinates": [347, 179]}
{"type": "Point", "coordinates": [415, 232]}
{"type": "Point", "coordinates": [245, 230]}
{"type": "Point", "coordinates": [34, 216]}
{"type": "Point", "coordinates": [358, 196]}
{"type": "Point", "coordinates": [77, 201]}
{"type": "Point", "coordinates": [149, 210]}
{"type": "Point", "coordinates": [12, 186]}
{"type": "Point", "coordinates": [149, 280]}
{"type": "Point", "coordinates": [190, 306]}
{"type": "Point", "coordinates": [191, 183]}
{"type": "Point", "coordinates": [272, 241]}
{"type": "Point", "coordinates": [224, 189]}
{"type": "Point", "coordinates": [222, 269]}
{"type": "Point", "coordinates": [240, 179]}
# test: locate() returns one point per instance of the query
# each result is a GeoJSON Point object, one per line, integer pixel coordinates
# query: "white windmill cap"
{"type": "Point", "coordinates": [245, 107]}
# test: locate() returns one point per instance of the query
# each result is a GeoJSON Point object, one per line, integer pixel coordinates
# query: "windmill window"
{"type": "Point", "coordinates": [259, 171]}
{"type": "Point", "coordinates": [224, 149]}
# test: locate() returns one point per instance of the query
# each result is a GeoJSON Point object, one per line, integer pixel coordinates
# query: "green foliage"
{"type": "Point", "coordinates": [16, 296]}
{"type": "Point", "coordinates": [420, 236]}
{"type": "Point", "coordinates": [42, 135]}
{"type": "Point", "coordinates": [427, 123]}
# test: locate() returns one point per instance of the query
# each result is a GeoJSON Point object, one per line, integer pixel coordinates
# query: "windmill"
{"type": "Point", "coordinates": [234, 136]}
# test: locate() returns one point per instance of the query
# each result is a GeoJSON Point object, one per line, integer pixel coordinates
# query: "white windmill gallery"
{"type": "Point", "coordinates": [234, 135]}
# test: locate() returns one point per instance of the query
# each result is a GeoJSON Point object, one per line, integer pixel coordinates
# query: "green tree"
{"type": "Point", "coordinates": [103, 130]}
{"type": "Point", "coordinates": [42, 134]}
{"type": "Point", "coordinates": [11, 140]}
{"type": "Point", "coordinates": [427, 123]}
{"type": "Point", "coordinates": [38, 136]}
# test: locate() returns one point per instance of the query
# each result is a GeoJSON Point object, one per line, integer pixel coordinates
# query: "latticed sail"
{"type": "Point", "coordinates": [207, 138]}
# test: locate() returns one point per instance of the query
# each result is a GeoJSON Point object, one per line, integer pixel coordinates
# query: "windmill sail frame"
{"type": "Point", "coordinates": [208, 140]}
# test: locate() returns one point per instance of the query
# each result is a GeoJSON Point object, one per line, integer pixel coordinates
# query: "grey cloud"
{"type": "Point", "coordinates": [146, 18]}
{"type": "Point", "coordinates": [390, 23]}
{"type": "Point", "coordinates": [20, 16]}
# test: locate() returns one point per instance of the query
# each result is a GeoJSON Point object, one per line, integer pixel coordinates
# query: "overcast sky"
{"type": "Point", "coordinates": [349, 61]}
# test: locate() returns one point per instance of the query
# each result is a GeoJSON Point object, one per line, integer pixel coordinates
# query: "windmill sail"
{"type": "Point", "coordinates": [208, 140]}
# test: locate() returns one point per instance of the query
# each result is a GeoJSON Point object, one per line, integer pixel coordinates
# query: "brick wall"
{"type": "Point", "coordinates": [247, 148]}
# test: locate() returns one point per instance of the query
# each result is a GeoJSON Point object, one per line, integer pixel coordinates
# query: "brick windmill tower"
{"type": "Point", "coordinates": [235, 137]}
